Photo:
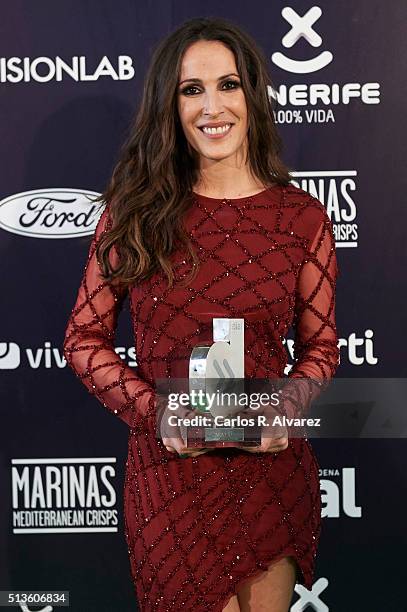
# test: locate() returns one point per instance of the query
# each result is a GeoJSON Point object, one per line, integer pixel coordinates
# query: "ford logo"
{"type": "Point", "coordinates": [51, 213]}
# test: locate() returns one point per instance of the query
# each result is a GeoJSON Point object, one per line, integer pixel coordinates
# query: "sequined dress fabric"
{"type": "Point", "coordinates": [198, 527]}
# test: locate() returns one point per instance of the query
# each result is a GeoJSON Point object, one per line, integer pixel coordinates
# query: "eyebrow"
{"type": "Point", "coordinates": [194, 80]}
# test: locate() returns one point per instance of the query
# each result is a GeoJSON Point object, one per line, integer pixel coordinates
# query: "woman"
{"type": "Point", "coordinates": [202, 221]}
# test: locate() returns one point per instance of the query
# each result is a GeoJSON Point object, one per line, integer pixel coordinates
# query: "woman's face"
{"type": "Point", "coordinates": [210, 94]}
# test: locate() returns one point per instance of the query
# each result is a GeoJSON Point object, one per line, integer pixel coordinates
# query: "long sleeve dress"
{"type": "Point", "coordinates": [198, 527]}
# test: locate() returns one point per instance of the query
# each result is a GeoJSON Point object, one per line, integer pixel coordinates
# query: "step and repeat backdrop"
{"type": "Point", "coordinates": [71, 76]}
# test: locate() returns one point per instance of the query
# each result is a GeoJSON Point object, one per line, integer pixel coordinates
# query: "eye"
{"type": "Point", "coordinates": [234, 83]}
{"type": "Point", "coordinates": [187, 90]}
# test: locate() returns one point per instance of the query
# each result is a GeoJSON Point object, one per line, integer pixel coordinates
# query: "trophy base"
{"type": "Point", "coordinates": [222, 437]}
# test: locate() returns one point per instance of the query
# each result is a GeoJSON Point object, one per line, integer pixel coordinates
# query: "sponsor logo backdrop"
{"type": "Point", "coordinates": [70, 81]}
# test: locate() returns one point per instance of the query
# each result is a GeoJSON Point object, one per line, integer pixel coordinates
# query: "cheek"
{"type": "Point", "coordinates": [183, 113]}
{"type": "Point", "coordinates": [243, 109]}
{"type": "Point", "coordinates": [188, 108]}
{"type": "Point", "coordinates": [186, 116]}
{"type": "Point", "coordinates": [239, 108]}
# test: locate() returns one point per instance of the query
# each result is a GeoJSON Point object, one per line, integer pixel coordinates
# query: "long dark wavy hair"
{"type": "Point", "coordinates": [150, 188]}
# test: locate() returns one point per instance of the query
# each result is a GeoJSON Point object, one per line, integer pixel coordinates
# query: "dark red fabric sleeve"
{"type": "Point", "coordinates": [89, 341]}
{"type": "Point", "coordinates": [316, 351]}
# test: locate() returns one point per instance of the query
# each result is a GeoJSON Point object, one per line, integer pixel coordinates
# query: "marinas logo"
{"type": "Point", "coordinates": [319, 98]}
{"type": "Point", "coordinates": [337, 190]}
{"type": "Point", "coordinates": [64, 495]}
{"type": "Point", "coordinates": [51, 213]}
{"type": "Point", "coordinates": [77, 68]}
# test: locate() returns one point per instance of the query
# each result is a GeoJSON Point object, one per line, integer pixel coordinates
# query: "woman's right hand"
{"type": "Point", "coordinates": [171, 433]}
{"type": "Point", "coordinates": [177, 445]}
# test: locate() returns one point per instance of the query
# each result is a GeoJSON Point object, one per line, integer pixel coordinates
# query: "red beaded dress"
{"type": "Point", "coordinates": [198, 527]}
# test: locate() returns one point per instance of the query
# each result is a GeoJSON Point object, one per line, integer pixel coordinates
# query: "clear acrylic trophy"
{"type": "Point", "coordinates": [216, 381]}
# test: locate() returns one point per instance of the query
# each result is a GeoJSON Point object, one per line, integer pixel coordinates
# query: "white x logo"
{"type": "Point", "coordinates": [310, 598]}
{"type": "Point", "coordinates": [301, 26]}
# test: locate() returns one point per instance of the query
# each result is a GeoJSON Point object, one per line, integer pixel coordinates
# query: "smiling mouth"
{"type": "Point", "coordinates": [216, 133]}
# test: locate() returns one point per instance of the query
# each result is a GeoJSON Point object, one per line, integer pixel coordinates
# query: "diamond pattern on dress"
{"type": "Point", "coordinates": [196, 528]}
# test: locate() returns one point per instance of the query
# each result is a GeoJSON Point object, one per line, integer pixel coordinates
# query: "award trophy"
{"type": "Point", "coordinates": [214, 368]}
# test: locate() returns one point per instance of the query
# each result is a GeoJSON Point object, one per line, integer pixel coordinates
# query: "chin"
{"type": "Point", "coordinates": [217, 156]}
{"type": "Point", "coordinates": [217, 151]}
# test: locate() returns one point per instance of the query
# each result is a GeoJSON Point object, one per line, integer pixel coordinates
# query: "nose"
{"type": "Point", "coordinates": [212, 104]}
